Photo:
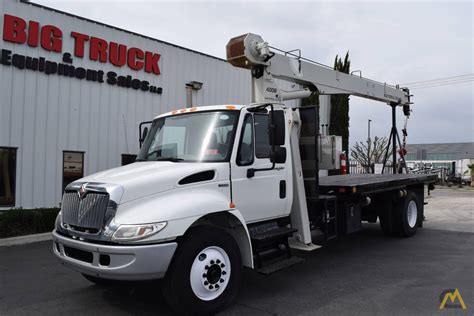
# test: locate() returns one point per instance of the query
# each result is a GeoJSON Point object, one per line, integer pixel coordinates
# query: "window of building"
{"type": "Point", "coordinates": [128, 159]}
{"type": "Point", "coordinates": [262, 138]}
{"type": "Point", "coordinates": [440, 156]}
{"type": "Point", "coordinates": [442, 165]}
{"type": "Point", "coordinates": [7, 176]}
{"type": "Point", "coordinates": [73, 166]}
{"type": "Point", "coordinates": [411, 156]}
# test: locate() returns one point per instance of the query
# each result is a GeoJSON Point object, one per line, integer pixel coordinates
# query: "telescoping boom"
{"type": "Point", "coordinates": [250, 51]}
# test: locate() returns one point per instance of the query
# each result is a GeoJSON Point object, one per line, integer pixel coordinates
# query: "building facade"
{"type": "Point", "coordinates": [73, 92]}
{"type": "Point", "coordinates": [439, 155]}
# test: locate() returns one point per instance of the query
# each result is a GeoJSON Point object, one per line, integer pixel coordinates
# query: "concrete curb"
{"type": "Point", "coordinates": [28, 239]}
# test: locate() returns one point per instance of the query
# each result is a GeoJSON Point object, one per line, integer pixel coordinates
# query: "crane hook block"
{"type": "Point", "coordinates": [406, 109]}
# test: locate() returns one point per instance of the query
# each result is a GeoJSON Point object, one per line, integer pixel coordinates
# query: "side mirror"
{"type": "Point", "coordinates": [143, 135]}
{"type": "Point", "coordinates": [143, 131]}
{"type": "Point", "coordinates": [277, 128]}
{"type": "Point", "coordinates": [278, 155]}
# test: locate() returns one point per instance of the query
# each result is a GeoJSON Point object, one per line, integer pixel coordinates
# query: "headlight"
{"type": "Point", "coordinates": [57, 223]}
{"type": "Point", "coordinates": [135, 232]}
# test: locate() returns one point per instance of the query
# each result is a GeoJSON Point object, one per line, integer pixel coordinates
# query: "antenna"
{"type": "Point", "coordinates": [125, 129]}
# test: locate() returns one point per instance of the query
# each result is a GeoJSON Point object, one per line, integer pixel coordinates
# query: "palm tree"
{"type": "Point", "coordinates": [339, 121]}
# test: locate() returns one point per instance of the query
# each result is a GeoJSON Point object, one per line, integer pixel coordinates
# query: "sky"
{"type": "Point", "coordinates": [395, 42]}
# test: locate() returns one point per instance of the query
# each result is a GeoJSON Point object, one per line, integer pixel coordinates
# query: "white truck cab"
{"type": "Point", "coordinates": [192, 170]}
{"type": "Point", "coordinates": [218, 188]}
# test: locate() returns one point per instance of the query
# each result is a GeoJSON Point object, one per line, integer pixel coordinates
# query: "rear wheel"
{"type": "Point", "coordinates": [402, 219]}
{"type": "Point", "coordinates": [205, 274]}
{"type": "Point", "coordinates": [407, 213]}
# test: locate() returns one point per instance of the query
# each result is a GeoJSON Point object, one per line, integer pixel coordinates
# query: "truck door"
{"type": "Point", "coordinates": [264, 195]}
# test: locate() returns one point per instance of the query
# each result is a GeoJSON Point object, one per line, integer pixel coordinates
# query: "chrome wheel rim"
{"type": "Point", "coordinates": [412, 214]}
{"type": "Point", "coordinates": [210, 273]}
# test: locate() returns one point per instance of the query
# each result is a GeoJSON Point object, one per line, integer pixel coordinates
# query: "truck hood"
{"type": "Point", "coordinates": [145, 178]}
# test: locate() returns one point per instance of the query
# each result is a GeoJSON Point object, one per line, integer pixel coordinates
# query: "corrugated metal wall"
{"type": "Point", "coordinates": [44, 115]}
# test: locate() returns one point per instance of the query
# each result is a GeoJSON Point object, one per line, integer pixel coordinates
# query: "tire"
{"type": "Point", "coordinates": [407, 215]}
{"type": "Point", "coordinates": [204, 275]}
{"type": "Point", "coordinates": [102, 282]}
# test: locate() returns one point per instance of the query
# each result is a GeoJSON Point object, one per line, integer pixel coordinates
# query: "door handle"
{"type": "Point", "coordinates": [250, 173]}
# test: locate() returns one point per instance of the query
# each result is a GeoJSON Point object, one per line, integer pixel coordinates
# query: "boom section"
{"type": "Point", "coordinates": [250, 51]}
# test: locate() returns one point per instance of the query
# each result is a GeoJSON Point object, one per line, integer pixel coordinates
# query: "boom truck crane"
{"type": "Point", "coordinates": [218, 188]}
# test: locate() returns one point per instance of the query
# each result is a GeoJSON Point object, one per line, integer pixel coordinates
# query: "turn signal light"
{"type": "Point", "coordinates": [134, 232]}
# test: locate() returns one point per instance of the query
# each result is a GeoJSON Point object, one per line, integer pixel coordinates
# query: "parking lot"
{"type": "Point", "coordinates": [362, 274]}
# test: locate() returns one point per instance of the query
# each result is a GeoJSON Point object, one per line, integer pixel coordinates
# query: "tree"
{"type": "Point", "coordinates": [369, 153]}
{"type": "Point", "coordinates": [312, 100]}
{"type": "Point", "coordinates": [339, 120]}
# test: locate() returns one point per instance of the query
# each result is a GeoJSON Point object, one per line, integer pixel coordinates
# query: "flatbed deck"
{"type": "Point", "coordinates": [371, 183]}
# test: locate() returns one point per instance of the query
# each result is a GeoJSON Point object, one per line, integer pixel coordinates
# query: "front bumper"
{"type": "Point", "coordinates": [136, 262]}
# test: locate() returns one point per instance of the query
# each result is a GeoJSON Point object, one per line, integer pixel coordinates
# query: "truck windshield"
{"type": "Point", "coordinates": [197, 137]}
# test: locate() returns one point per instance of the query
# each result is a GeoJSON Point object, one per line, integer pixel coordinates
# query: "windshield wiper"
{"type": "Point", "coordinates": [172, 159]}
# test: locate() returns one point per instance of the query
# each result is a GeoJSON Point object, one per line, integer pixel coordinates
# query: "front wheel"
{"type": "Point", "coordinates": [205, 273]}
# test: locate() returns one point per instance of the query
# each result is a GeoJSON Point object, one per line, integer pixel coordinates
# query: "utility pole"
{"type": "Point", "coordinates": [369, 128]}
{"type": "Point", "coordinates": [369, 169]}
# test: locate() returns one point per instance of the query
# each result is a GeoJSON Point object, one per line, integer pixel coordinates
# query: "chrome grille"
{"type": "Point", "coordinates": [86, 213]}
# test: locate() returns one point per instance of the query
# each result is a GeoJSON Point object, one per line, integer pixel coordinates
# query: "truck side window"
{"type": "Point", "coordinates": [262, 138]}
{"type": "Point", "coordinates": [245, 153]}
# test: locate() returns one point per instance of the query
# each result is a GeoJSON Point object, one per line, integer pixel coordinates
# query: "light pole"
{"type": "Point", "coordinates": [190, 86]}
{"type": "Point", "coordinates": [369, 169]}
{"type": "Point", "coordinates": [369, 129]}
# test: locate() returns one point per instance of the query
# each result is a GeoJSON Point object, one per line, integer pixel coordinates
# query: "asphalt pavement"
{"type": "Point", "coordinates": [365, 273]}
